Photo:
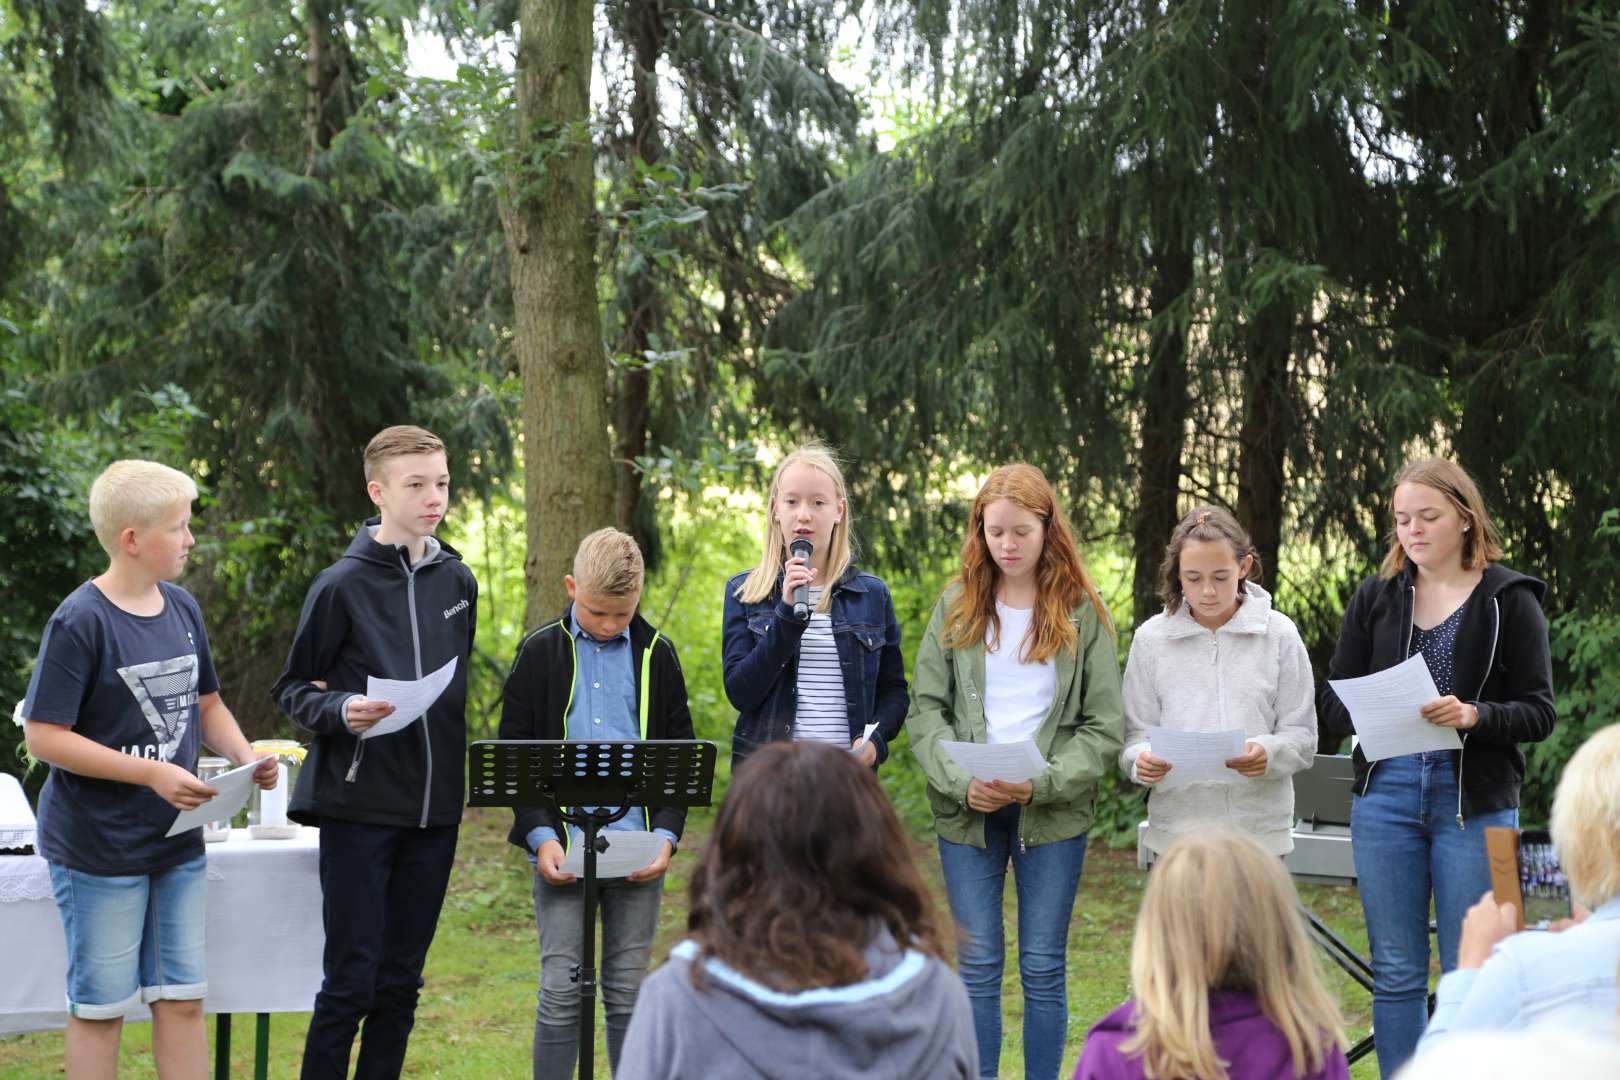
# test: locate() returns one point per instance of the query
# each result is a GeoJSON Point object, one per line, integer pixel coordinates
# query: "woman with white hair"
{"type": "Point", "coordinates": [1505, 979]}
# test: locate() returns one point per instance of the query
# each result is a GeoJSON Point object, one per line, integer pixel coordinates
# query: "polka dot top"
{"type": "Point", "coordinates": [1437, 645]}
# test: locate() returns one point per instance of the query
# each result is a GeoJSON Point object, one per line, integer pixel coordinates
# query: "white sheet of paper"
{"type": "Point", "coordinates": [865, 735]}
{"type": "Point", "coordinates": [628, 850]}
{"type": "Point", "coordinates": [1384, 708]}
{"type": "Point", "coordinates": [409, 697]}
{"type": "Point", "coordinates": [234, 787]}
{"type": "Point", "coordinates": [1195, 756]}
{"type": "Point", "coordinates": [1013, 762]}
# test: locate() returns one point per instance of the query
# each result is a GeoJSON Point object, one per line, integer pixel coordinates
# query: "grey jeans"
{"type": "Point", "coordinates": [629, 918]}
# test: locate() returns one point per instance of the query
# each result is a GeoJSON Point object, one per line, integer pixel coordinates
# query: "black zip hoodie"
{"type": "Point", "coordinates": [1501, 665]}
{"type": "Point", "coordinates": [372, 613]}
{"type": "Point", "coordinates": [540, 689]}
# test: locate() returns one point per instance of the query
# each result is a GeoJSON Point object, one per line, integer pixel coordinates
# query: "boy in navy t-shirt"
{"type": "Point", "coordinates": [122, 694]}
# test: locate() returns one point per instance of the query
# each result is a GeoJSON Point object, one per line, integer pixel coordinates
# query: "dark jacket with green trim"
{"type": "Point", "coordinates": [540, 689]}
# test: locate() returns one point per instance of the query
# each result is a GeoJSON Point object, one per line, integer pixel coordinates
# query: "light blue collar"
{"type": "Point", "coordinates": [579, 631]}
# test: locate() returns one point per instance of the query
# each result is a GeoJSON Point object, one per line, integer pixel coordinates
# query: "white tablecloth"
{"type": "Point", "coordinates": [16, 816]}
{"type": "Point", "coordinates": [264, 933]}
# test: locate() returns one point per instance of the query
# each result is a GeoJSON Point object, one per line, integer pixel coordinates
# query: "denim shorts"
{"type": "Point", "coordinates": [133, 937]}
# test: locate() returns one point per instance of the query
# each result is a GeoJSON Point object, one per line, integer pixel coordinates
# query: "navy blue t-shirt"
{"type": "Point", "coordinates": [129, 682]}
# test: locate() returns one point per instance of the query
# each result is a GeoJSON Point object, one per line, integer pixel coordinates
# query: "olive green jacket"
{"type": "Point", "coordinates": [1080, 737]}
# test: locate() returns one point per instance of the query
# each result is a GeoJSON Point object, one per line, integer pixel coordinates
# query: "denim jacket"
{"type": "Point", "coordinates": [761, 647]}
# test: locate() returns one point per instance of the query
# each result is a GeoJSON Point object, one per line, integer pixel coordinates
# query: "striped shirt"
{"type": "Point", "coordinates": [821, 714]}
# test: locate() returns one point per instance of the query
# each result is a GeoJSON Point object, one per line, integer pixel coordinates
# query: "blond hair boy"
{"type": "Point", "coordinates": [125, 691]}
{"type": "Point", "coordinates": [599, 671]}
{"type": "Point", "coordinates": [399, 604]}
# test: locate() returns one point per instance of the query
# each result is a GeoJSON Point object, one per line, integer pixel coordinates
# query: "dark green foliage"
{"type": "Point", "coordinates": [1341, 235]}
{"type": "Point", "coordinates": [261, 236]}
{"type": "Point", "coordinates": [1258, 252]}
{"type": "Point", "coordinates": [46, 468]}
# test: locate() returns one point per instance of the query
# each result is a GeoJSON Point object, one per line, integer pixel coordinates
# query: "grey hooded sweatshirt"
{"type": "Point", "coordinates": [908, 1018]}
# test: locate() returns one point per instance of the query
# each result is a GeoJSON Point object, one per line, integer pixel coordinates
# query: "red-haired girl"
{"type": "Point", "coordinates": [1020, 646]}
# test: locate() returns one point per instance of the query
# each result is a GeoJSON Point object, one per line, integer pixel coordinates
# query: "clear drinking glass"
{"type": "Point", "coordinates": [207, 769]}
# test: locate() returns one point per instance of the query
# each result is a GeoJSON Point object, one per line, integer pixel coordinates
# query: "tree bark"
{"type": "Point", "coordinates": [645, 23]}
{"type": "Point", "coordinates": [550, 218]}
{"type": "Point", "coordinates": [1164, 419]}
{"type": "Point", "coordinates": [1268, 425]}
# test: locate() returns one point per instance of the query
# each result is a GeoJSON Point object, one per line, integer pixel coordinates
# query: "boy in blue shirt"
{"type": "Point", "coordinates": [598, 672]}
{"type": "Point", "coordinates": [400, 604]}
{"type": "Point", "coordinates": [122, 695]}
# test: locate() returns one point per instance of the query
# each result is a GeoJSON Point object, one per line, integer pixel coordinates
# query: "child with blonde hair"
{"type": "Point", "coordinates": [830, 672]}
{"type": "Point", "coordinates": [122, 697]}
{"type": "Point", "coordinates": [1226, 985]}
{"type": "Point", "coordinates": [399, 604]}
{"type": "Point", "coordinates": [599, 671]}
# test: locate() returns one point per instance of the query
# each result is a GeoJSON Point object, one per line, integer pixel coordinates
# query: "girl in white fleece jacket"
{"type": "Point", "coordinates": [1218, 658]}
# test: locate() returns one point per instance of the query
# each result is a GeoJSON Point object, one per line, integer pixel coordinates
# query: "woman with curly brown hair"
{"type": "Point", "coordinates": [813, 949]}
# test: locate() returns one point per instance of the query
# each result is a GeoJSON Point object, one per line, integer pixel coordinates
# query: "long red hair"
{"type": "Point", "coordinates": [1060, 577]}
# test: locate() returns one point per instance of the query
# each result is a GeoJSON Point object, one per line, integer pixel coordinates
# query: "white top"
{"type": "Point", "coordinates": [1017, 694]}
{"type": "Point", "coordinates": [1251, 674]}
{"type": "Point", "coordinates": [821, 714]}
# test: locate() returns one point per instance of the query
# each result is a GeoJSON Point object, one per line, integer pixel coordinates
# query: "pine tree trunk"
{"type": "Point", "coordinates": [1164, 419]}
{"type": "Point", "coordinates": [1268, 425]}
{"type": "Point", "coordinates": [550, 220]}
{"type": "Point", "coordinates": [647, 34]}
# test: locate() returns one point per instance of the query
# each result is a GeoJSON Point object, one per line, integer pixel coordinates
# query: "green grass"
{"type": "Point", "coordinates": [476, 1017]}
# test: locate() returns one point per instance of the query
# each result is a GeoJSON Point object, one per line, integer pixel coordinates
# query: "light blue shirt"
{"type": "Point", "coordinates": [1533, 976]}
{"type": "Point", "coordinates": [604, 708]}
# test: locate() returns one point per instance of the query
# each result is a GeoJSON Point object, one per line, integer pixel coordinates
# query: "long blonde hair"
{"type": "Point", "coordinates": [1220, 913]}
{"type": "Point", "coordinates": [762, 580]}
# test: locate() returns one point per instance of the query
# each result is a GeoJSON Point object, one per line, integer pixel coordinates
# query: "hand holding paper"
{"type": "Point", "coordinates": [863, 748]}
{"type": "Point", "coordinates": [1386, 710]}
{"type": "Point", "coordinates": [628, 850]}
{"type": "Point", "coordinates": [1015, 761]}
{"type": "Point", "coordinates": [411, 698]}
{"type": "Point", "coordinates": [234, 787]}
{"type": "Point", "coordinates": [1195, 756]}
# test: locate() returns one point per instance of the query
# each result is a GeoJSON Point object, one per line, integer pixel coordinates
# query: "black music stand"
{"type": "Point", "coordinates": [614, 775]}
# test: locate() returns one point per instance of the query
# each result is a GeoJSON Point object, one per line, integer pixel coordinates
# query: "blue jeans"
{"type": "Point", "coordinates": [1408, 846]}
{"type": "Point", "coordinates": [1046, 877]}
{"type": "Point", "coordinates": [139, 936]}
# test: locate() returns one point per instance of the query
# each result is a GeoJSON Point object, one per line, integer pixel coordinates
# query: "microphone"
{"type": "Point", "coordinates": [801, 548]}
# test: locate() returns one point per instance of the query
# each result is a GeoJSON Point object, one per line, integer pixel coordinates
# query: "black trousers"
{"type": "Point", "coordinates": [382, 887]}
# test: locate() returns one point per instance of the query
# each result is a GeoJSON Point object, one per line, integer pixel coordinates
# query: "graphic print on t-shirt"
{"type": "Point", "coordinates": [166, 691]}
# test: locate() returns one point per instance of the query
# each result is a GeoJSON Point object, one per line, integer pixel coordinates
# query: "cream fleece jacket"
{"type": "Point", "coordinates": [1253, 674]}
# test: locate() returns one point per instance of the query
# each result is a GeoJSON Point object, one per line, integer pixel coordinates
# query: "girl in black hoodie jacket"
{"type": "Point", "coordinates": [1418, 820]}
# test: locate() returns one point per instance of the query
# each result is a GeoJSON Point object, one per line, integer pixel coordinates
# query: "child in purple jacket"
{"type": "Point", "coordinates": [1226, 986]}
